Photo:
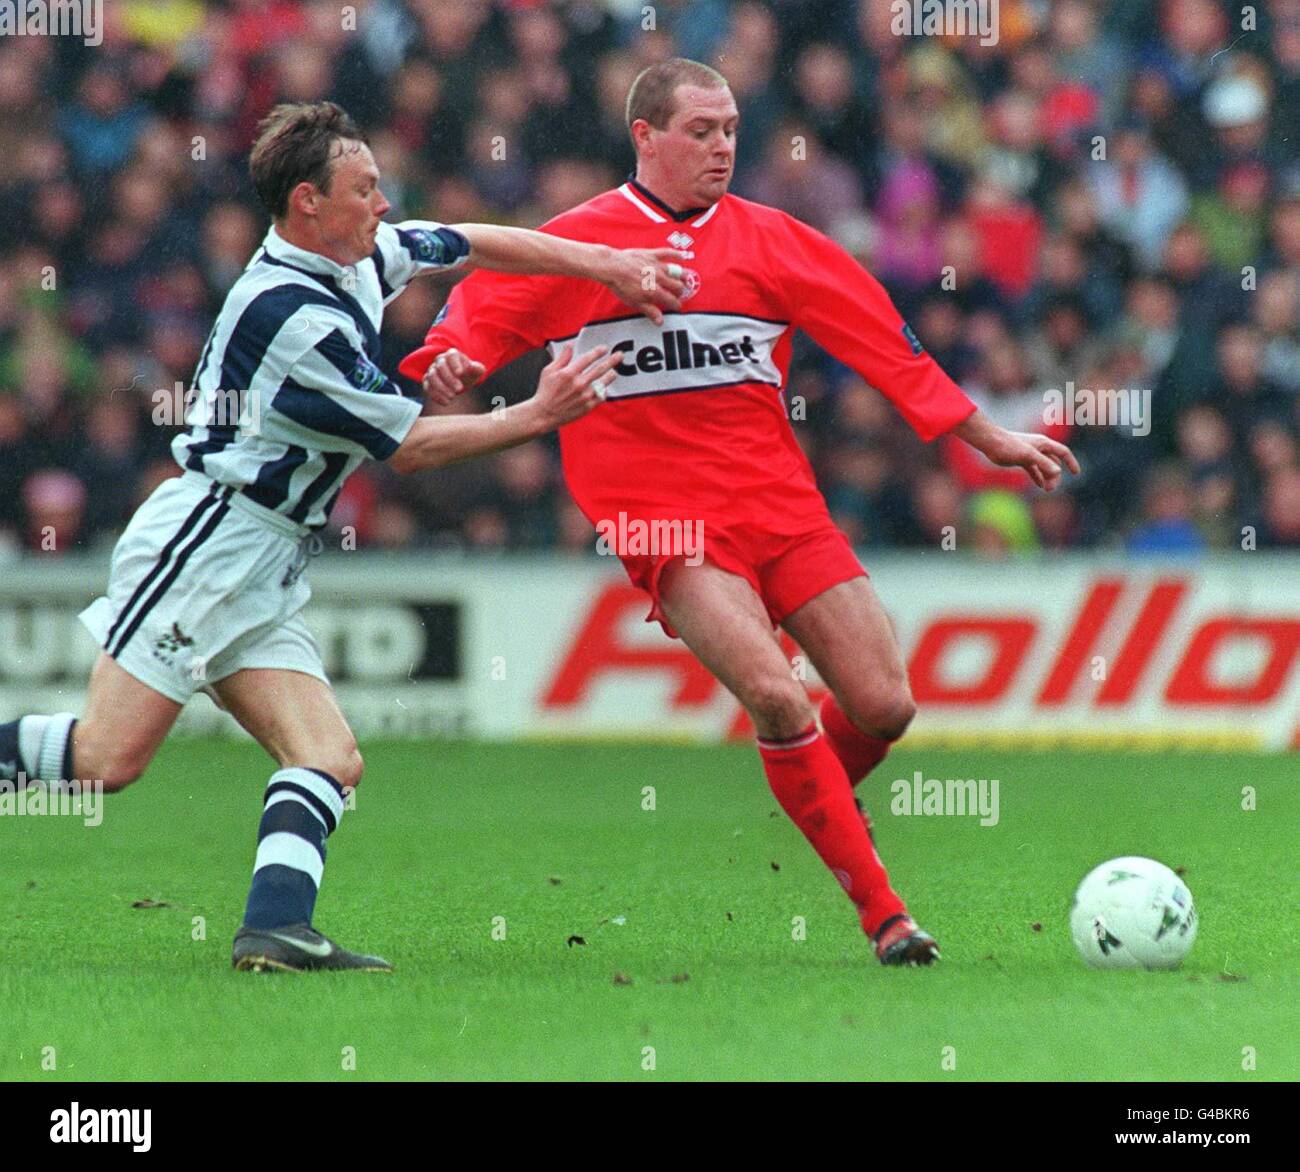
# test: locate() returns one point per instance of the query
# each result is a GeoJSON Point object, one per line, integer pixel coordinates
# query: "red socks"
{"type": "Point", "coordinates": [810, 783]}
{"type": "Point", "coordinates": [808, 774]}
{"type": "Point", "coordinates": [858, 753]}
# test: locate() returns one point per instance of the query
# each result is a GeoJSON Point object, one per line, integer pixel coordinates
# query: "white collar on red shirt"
{"type": "Point", "coordinates": [644, 199]}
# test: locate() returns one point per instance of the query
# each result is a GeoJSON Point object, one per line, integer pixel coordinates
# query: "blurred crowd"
{"type": "Point", "coordinates": [1107, 197]}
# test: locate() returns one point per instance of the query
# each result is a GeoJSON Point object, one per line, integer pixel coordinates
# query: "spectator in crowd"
{"type": "Point", "coordinates": [1232, 217]}
{"type": "Point", "coordinates": [908, 256]}
{"type": "Point", "coordinates": [1001, 523]}
{"type": "Point", "coordinates": [102, 126]}
{"type": "Point", "coordinates": [1100, 264]}
{"type": "Point", "coordinates": [802, 177]}
{"type": "Point", "coordinates": [1140, 195]}
{"type": "Point", "coordinates": [1236, 109]}
{"type": "Point", "coordinates": [1245, 395]}
{"type": "Point", "coordinates": [55, 503]}
{"type": "Point", "coordinates": [1276, 311]}
{"type": "Point", "coordinates": [825, 99]}
{"type": "Point", "coordinates": [1205, 444]}
{"type": "Point", "coordinates": [1062, 345]}
{"type": "Point", "coordinates": [1166, 525]}
{"type": "Point", "coordinates": [1281, 513]}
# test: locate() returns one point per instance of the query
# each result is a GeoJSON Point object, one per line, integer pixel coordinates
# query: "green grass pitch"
{"type": "Point", "coordinates": [690, 967]}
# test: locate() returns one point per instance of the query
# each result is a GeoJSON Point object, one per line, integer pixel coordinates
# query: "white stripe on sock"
{"type": "Point", "coordinates": [793, 743]}
{"type": "Point", "coordinates": [30, 731]}
{"type": "Point", "coordinates": [313, 783]}
{"type": "Point", "coordinates": [54, 742]}
{"type": "Point", "coordinates": [288, 850]}
{"type": "Point", "coordinates": [42, 741]}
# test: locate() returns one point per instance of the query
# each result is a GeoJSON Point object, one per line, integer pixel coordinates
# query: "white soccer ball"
{"type": "Point", "coordinates": [1133, 913]}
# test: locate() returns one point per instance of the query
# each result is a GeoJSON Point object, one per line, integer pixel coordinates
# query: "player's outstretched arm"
{"type": "Point", "coordinates": [1042, 458]}
{"type": "Point", "coordinates": [846, 310]}
{"type": "Point", "coordinates": [649, 280]}
{"type": "Point", "coordinates": [569, 388]}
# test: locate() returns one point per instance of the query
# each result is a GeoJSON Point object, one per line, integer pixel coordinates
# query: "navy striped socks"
{"type": "Point", "coordinates": [38, 747]}
{"type": "Point", "coordinates": [301, 809]}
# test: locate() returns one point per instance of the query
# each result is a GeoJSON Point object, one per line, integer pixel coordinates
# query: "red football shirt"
{"type": "Point", "coordinates": [696, 425]}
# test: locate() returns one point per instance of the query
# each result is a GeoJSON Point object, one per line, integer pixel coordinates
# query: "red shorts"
{"type": "Point", "coordinates": [785, 571]}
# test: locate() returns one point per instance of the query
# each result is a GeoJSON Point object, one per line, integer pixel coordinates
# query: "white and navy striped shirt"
{"type": "Point", "coordinates": [288, 398]}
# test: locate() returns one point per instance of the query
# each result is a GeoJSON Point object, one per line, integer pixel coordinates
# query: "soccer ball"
{"type": "Point", "coordinates": [1133, 913]}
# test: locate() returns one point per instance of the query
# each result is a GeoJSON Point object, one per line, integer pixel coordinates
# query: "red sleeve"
{"type": "Point", "coordinates": [844, 309]}
{"type": "Point", "coordinates": [492, 318]}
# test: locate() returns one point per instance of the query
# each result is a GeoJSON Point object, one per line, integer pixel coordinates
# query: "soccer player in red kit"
{"type": "Point", "coordinates": [695, 431]}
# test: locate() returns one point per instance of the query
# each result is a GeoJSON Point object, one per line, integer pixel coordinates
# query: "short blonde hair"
{"type": "Point", "coordinates": [653, 95]}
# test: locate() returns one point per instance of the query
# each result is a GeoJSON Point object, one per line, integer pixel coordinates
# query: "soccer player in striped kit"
{"type": "Point", "coordinates": [207, 588]}
{"type": "Point", "coordinates": [696, 434]}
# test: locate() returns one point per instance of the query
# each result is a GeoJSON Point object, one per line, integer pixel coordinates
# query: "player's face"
{"type": "Point", "coordinates": [348, 217]}
{"type": "Point", "coordinates": [695, 154]}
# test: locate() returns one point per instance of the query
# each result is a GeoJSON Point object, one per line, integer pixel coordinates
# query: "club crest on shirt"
{"type": "Point", "coordinates": [169, 643]}
{"type": "Point", "coordinates": [691, 279]}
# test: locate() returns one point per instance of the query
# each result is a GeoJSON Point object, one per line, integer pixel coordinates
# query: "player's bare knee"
{"type": "Point", "coordinates": [884, 713]}
{"type": "Point", "coordinates": [896, 715]}
{"type": "Point", "coordinates": [779, 707]}
{"type": "Point", "coordinates": [342, 762]}
{"type": "Point", "coordinates": [345, 765]}
{"type": "Point", "coordinates": [350, 768]}
{"type": "Point", "coordinates": [890, 712]}
{"type": "Point", "coordinates": [113, 766]}
{"type": "Point", "coordinates": [116, 771]}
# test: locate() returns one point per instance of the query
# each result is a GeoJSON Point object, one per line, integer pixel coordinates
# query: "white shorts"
{"type": "Point", "coordinates": [205, 583]}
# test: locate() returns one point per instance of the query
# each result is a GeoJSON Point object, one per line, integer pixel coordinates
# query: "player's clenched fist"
{"type": "Point", "coordinates": [449, 374]}
{"type": "Point", "coordinates": [570, 387]}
